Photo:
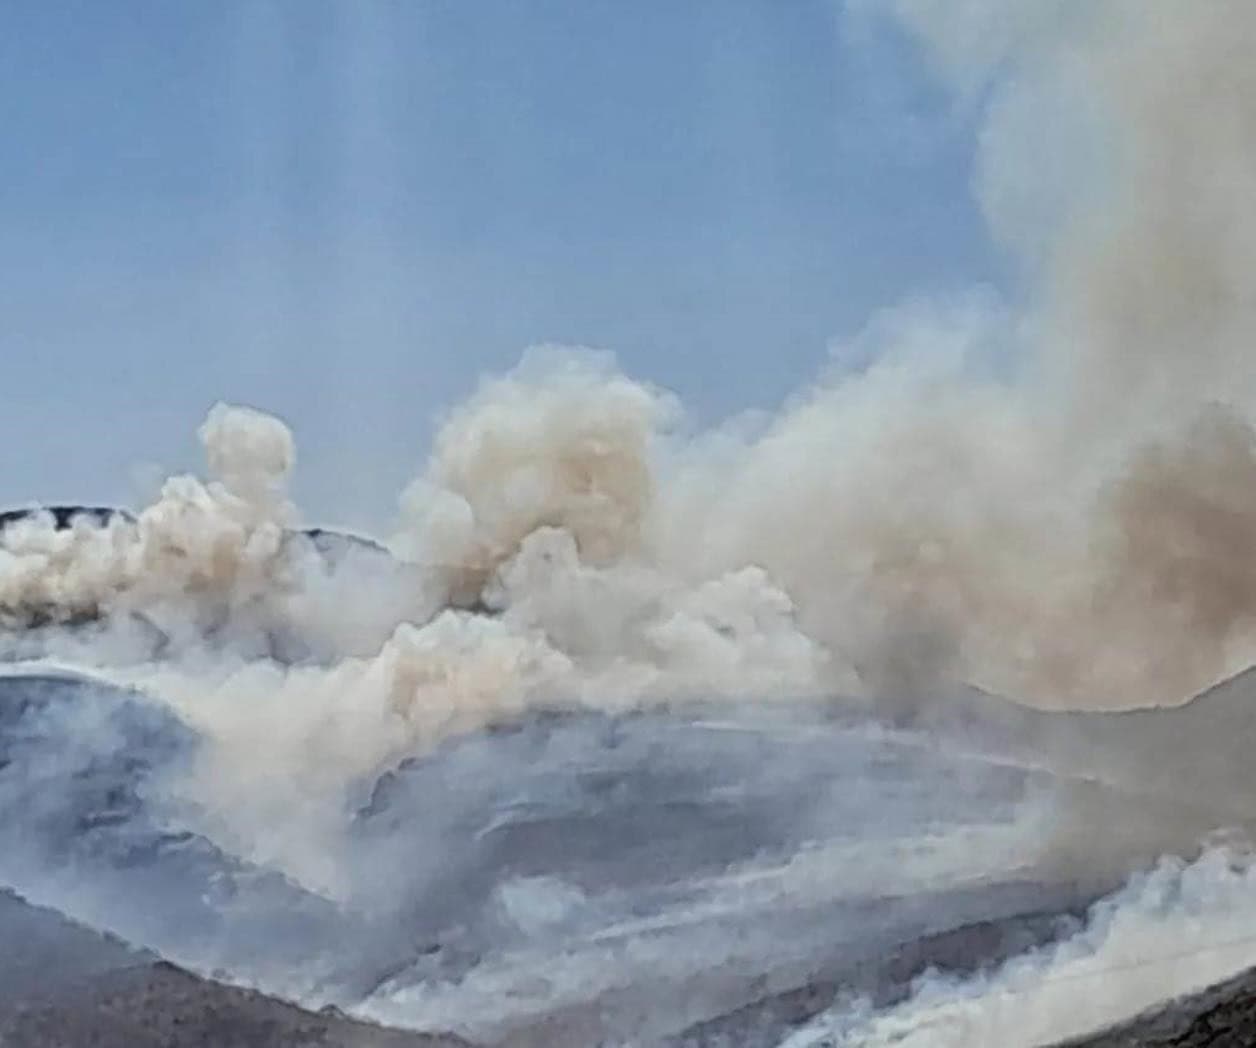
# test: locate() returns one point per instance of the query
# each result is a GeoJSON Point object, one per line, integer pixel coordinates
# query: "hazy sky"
{"type": "Point", "coordinates": [345, 212]}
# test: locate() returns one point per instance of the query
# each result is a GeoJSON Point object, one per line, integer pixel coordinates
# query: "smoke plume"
{"type": "Point", "coordinates": [1072, 528]}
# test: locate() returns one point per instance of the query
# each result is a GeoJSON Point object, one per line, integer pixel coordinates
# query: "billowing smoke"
{"type": "Point", "coordinates": [214, 561]}
{"type": "Point", "coordinates": [1074, 534]}
{"type": "Point", "coordinates": [212, 542]}
{"type": "Point", "coordinates": [1052, 498]}
{"type": "Point", "coordinates": [565, 441]}
{"type": "Point", "coordinates": [1116, 162]}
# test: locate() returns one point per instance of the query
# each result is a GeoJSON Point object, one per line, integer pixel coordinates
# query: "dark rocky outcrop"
{"type": "Point", "coordinates": [1223, 1016]}
{"type": "Point", "coordinates": [64, 516]}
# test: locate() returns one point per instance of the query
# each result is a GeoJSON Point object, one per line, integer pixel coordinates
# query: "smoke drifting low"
{"type": "Point", "coordinates": [1173, 930]}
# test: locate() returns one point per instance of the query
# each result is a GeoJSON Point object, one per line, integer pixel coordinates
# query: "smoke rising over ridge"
{"type": "Point", "coordinates": [1052, 497]}
{"type": "Point", "coordinates": [1071, 535]}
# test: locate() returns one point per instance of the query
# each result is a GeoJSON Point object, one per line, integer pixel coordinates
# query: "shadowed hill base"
{"type": "Point", "coordinates": [1223, 1016]}
{"type": "Point", "coordinates": [161, 1006]}
{"type": "Point", "coordinates": [68, 986]}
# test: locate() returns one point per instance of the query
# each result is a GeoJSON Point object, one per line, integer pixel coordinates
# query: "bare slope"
{"type": "Point", "coordinates": [62, 984]}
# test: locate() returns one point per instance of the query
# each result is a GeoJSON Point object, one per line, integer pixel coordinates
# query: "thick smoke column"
{"type": "Point", "coordinates": [1117, 162]}
{"type": "Point", "coordinates": [1076, 535]}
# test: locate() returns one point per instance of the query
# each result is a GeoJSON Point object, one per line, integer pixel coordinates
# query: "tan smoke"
{"type": "Point", "coordinates": [1078, 529]}
{"type": "Point", "coordinates": [198, 551]}
{"type": "Point", "coordinates": [563, 441]}
{"type": "Point", "coordinates": [1076, 534]}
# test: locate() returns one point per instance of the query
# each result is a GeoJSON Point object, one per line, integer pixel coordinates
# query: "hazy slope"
{"type": "Point", "coordinates": [63, 986]}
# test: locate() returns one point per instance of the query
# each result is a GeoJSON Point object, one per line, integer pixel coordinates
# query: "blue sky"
{"type": "Point", "coordinates": [345, 212]}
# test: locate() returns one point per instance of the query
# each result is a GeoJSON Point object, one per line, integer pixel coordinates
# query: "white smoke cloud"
{"type": "Point", "coordinates": [1176, 929]}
